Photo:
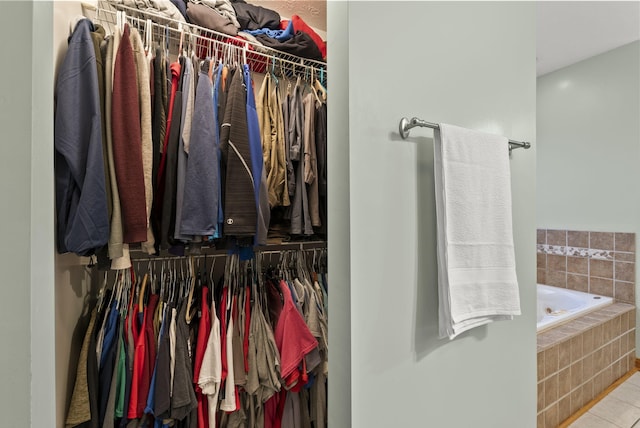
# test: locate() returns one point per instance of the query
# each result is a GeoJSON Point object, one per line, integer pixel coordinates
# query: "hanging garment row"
{"type": "Point", "coordinates": [167, 154]}
{"type": "Point", "coordinates": [169, 344]}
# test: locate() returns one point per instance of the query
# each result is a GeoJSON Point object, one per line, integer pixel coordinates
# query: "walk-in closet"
{"type": "Point", "coordinates": [191, 168]}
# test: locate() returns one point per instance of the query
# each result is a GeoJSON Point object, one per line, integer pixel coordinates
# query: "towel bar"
{"type": "Point", "coordinates": [406, 125]}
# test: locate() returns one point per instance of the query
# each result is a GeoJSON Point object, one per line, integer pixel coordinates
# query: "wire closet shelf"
{"type": "Point", "coordinates": [175, 34]}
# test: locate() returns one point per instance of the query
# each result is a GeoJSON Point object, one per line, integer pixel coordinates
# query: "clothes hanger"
{"type": "Point", "coordinates": [143, 288]}
{"type": "Point", "coordinates": [318, 86]}
{"type": "Point", "coordinates": [148, 32]}
{"type": "Point", "coordinates": [313, 88]}
{"type": "Point", "coordinates": [101, 293]}
{"type": "Point", "coordinates": [188, 315]}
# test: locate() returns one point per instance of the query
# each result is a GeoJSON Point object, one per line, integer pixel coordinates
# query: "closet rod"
{"type": "Point", "coordinates": [406, 125]}
{"type": "Point", "coordinates": [137, 254]}
{"type": "Point", "coordinates": [108, 10]}
{"type": "Point", "coordinates": [201, 256]}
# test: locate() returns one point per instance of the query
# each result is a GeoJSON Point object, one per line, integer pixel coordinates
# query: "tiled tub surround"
{"type": "Point", "coordinates": [594, 262]}
{"type": "Point", "coordinates": [580, 359]}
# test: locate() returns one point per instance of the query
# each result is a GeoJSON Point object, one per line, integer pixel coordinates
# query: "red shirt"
{"type": "Point", "coordinates": [293, 338]}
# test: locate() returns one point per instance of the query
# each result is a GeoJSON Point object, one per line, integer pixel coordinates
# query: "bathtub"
{"type": "Point", "coordinates": [559, 305]}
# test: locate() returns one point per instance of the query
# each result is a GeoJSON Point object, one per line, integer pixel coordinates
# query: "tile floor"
{"type": "Point", "coordinates": [619, 409]}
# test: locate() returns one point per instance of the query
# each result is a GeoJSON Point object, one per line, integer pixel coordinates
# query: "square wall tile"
{"type": "Point", "coordinates": [541, 277]}
{"type": "Point", "coordinates": [624, 323]}
{"type": "Point", "coordinates": [550, 390]}
{"type": "Point", "coordinates": [577, 398]}
{"type": "Point", "coordinates": [588, 391]}
{"type": "Point", "coordinates": [601, 240]}
{"type": "Point", "coordinates": [540, 420]}
{"type": "Point", "coordinates": [541, 236]}
{"type": "Point", "coordinates": [631, 340]}
{"type": "Point", "coordinates": [557, 279]}
{"type": "Point", "coordinates": [597, 337]}
{"type": "Point", "coordinates": [556, 237]}
{"type": "Point", "coordinates": [576, 375]}
{"type": "Point", "coordinates": [551, 416]}
{"type": "Point", "coordinates": [624, 257]}
{"type": "Point", "coordinates": [564, 354]}
{"type": "Point", "coordinates": [564, 408]}
{"type": "Point", "coordinates": [579, 265]}
{"type": "Point", "coordinates": [556, 263]}
{"type": "Point", "coordinates": [576, 348]}
{"type": "Point", "coordinates": [551, 360]}
{"type": "Point", "coordinates": [625, 271]}
{"type": "Point", "coordinates": [587, 342]}
{"type": "Point", "coordinates": [601, 268]}
{"type": "Point", "coordinates": [598, 361]}
{"type": "Point", "coordinates": [607, 333]}
{"type": "Point", "coordinates": [625, 242]}
{"type": "Point", "coordinates": [577, 239]}
{"type": "Point", "coordinates": [617, 323]}
{"type": "Point", "coordinates": [601, 286]}
{"type": "Point", "coordinates": [598, 382]}
{"type": "Point", "coordinates": [541, 365]}
{"type": "Point", "coordinates": [564, 382]}
{"type": "Point", "coordinates": [540, 396]}
{"type": "Point", "coordinates": [578, 282]}
{"type": "Point", "coordinates": [541, 260]}
{"type": "Point", "coordinates": [587, 367]}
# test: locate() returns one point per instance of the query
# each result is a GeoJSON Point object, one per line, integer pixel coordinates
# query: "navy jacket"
{"type": "Point", "coordinates": [81, 198]}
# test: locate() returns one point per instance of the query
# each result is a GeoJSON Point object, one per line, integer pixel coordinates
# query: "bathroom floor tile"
{"type": "Point", "coordinates": [635, 379]}
{"type": "Point", "coordinates": [619, 409]}
{"type": "Point", "coordinates": [627, 392]}
{"type": "Point", "coordinates": [589, 420]}
{"type": "Point", "coordinates": [617, 412]}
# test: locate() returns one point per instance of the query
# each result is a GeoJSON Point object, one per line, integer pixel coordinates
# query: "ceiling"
{"type": "Point", "coordinates": [567, 31]}
{"type": "Point", "coordinates": [570, 31]}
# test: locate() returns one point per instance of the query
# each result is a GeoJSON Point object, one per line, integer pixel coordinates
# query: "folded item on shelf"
{"type": "Point", "coordinates": [301, 44]}
{"type": "Point", "coordinates": [160, 7]}
{"type": "Point", "coordinates": [182, 7]}
{"type": "Point", "coordinates": [206, 17]}
{"type": "Point", "coordinates": [280, 35]}
{"type": "Point", "coordinates": [300, 25]}
{"type": "Point", "coordinates": [223, 7]}
{"type": "Point", "coordinates": [252, 17]}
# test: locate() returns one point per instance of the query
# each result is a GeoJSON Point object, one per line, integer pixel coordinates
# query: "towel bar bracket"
{"type": "Point", "coordinates": [407, 124]}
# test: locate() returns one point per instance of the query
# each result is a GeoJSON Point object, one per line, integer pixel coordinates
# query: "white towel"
{"type": "Point", "coordinates": [477, 281]}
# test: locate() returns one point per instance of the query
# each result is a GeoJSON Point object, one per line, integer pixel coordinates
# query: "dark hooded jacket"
{"type": "Point", "coordinates": [81, 198]}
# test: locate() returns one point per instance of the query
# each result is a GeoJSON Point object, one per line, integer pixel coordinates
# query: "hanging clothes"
{"type": "Point", "coordinates": [270, 115]}
{"type": "Point", "coordinates": [257, 162]}
{"type": "Point", "coordinates": [188, 100]}
{"type": "Point", "coordinates": [81, 199]}
{"type": "Point", "coordinates": [310, 159]}
{"type": "Point", "coordinates": [200, 204]}
{"type": "Point", "coordinates": [239, 197]}
{"type": "Point", "coordinates": [300, 218]}
{"type": "Point", "coordinates": [321, 153]}
{"type": "Point", "coordinates": [256, 374]}
{"type": "Point", "coordinates": [127, 148]}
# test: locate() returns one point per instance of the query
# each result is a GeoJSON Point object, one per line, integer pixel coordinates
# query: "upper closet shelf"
{"type": "Point", "coordinates": [176, 34]}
